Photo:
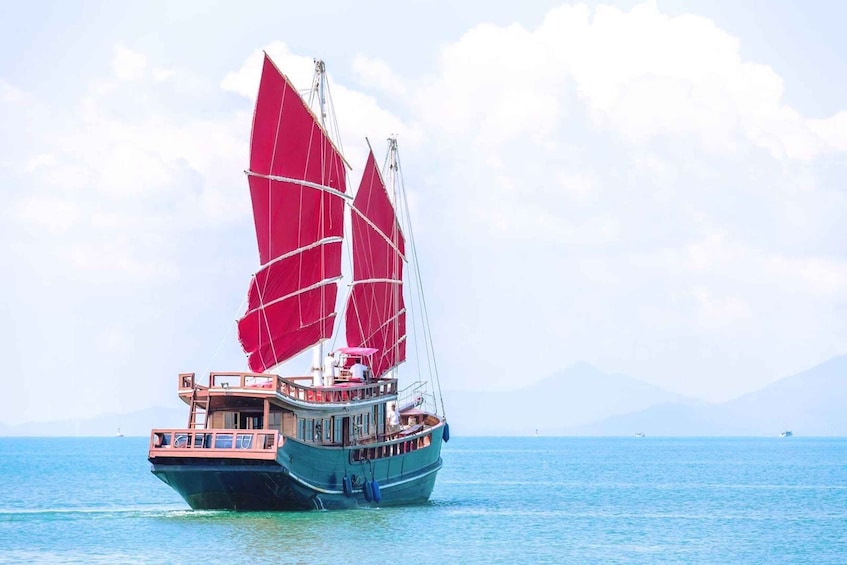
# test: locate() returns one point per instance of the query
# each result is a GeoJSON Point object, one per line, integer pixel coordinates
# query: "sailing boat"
{"type": "Point", "coordinates": [344, 435]}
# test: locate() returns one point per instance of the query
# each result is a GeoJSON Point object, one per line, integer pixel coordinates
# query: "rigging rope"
{"type": "Point", "coordinates": [224, 336]}
{"type": "Point", "coordinates": [427, 330]}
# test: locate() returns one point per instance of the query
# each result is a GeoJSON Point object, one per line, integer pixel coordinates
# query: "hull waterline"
{"type": "Point", "coordinates": [302, 477]}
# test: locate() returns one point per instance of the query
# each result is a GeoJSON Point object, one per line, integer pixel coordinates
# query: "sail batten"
{"type": "Point", "coordinates": [297, 181]}
{"type": "Point", "coordinates": [303, 249]}
{"type": "Point", "coordinates": [301, 182]}
{"type": "Point", "coordinates": [268, 303]}
{"type": "Point", "coordinates": [376, 228]}
{"type": "Point", "coordinates": [376, 314]}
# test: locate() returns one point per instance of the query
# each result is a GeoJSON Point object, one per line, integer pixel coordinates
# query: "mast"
{"type": "Point", "coordinates": [392, 197]}
{"type": "Point", "coordinates": [318, 88]}
{"type": "Point", "coordinates": [376, 313]}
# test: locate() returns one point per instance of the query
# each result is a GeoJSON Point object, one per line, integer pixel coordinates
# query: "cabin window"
{"type": "Point", "coordinates": [307, 430]}
{"type": "Point", "coordinates": [338, 429]}
{"type": "Point", "coordinates": [275, 421]}
{"type": "Point", "coordinates": [359, 426]}
{"type": "Point", "coordinates": [326, 430]}
{"type": "Point", "coordinates": [252, 422]}
{"type": "Point", "coordinates": [379, 418]}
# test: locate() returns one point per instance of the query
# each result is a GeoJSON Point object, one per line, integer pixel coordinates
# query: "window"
{"type": "Point", "coordinates": [275, 421]}
{"type": "Point", "coordinates": [337, 429]}
{"type": "Point", "coordinates": [379, 418]}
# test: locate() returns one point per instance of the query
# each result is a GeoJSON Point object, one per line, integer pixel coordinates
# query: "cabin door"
{"type": "Point", "coordinates": [345, 431]}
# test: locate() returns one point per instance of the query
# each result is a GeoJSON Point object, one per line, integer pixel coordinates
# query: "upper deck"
{"type": "Point", "coordinates": [298, 391]}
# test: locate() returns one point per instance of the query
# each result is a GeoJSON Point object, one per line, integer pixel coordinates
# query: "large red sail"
{"type": "Point", "coordinates": [376, 315]}
{"type": "Point", "coordinates": [296, 179]}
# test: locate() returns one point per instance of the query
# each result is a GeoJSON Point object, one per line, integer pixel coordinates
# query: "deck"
{"type": "Point", "coordinates": [296, 389]}
{"type": "Point", "coordinates": [226, 444]}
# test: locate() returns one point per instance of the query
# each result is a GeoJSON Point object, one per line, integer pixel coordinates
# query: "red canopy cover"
{"type": "Point", "coordinates": [296, 176]}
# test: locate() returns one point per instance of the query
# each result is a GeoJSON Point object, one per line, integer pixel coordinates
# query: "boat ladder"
{"type": "Point", "coordinates": [199, 410]}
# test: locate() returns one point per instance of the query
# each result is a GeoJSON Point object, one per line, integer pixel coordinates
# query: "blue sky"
{"type": "Point", "coordinates": [653, 188]}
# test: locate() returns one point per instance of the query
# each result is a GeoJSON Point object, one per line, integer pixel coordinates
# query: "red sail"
{"type": "Point", "coordinates": [376, 315]}
{"type": "Point", "coordinates": [296, 176]}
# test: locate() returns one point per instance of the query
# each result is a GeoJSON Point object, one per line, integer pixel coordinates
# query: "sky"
{"type": "Point", "coordinates": [654, 188]}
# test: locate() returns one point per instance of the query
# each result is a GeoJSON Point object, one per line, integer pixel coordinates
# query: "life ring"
{"type": "Point", "coordinates": [181, 441]}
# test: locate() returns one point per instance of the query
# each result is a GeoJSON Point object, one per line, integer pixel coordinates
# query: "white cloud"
{"type": "Point", "coordinates": [359, 114]}
{"type": "Point", "coordinates": [100, 171]}
{"type": "Point", "coordinates": [615, 187]}
{"type": "Point", "coordinates": [245, 81]}
{"type": "Point", "coordinates": [643, 182]}
{"type": "Point", "coordinates": [160, 75]}
{"type": "Point", "coordinates": [50, 213]}
{"type": "Point", "coordinates": [9, 94]}
{"type": "Point", "coordinates": [647, 74]}
{"type": "Point", "coordinates": [127, 64]}
{"type": "Point", "coordinates": [376, 73]}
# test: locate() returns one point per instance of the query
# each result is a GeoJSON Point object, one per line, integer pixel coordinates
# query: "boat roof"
{"type": "Point", "coordinates": [413, 412]}
{"type": "Point", "coordinates": [356, 350]}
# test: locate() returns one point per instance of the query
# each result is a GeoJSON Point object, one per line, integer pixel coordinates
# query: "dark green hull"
{"type": "Point", "coordinates": [303, 477]}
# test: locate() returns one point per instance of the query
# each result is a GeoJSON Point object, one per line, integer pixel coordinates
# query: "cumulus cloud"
{"type": "Point", "coordinates": [127, 64]}
{"type": "Point", "coordinates": [617, 187]}
{"type": "Point", "coordinates": [622, 177]}
{"type": "Point", "coordinates": [375, 73]}
{"type": "Point", "coordinates": [359, 115]}
{"type": "Point", "coordinates": [108, 172]}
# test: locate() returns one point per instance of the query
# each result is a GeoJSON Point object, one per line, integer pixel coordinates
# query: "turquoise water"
{"type": "Point", "coordinates": [497, 500]}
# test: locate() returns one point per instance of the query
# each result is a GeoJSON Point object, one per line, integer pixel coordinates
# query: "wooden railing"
{"type": "Point", "coordinates": [338, 393]}
{"type": "Point", "coordinates": [392, 448]}
{"type": "Point", "coordinates": [296, 388]}
{"type": "Point", "coordinates": [246, 444]}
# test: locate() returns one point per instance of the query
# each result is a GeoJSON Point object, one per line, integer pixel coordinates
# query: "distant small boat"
{"type": "Point", "coordinates": [119, 434]}
{"type": "Point", "coordinates": [640, 434]}
{"type": "Point", "coordinates": [786, 433]}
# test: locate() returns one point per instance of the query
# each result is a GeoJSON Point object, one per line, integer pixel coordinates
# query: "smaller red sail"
{"type": "Point", "coordinates": [376, 314]}
{"type": "Point", "coordinates": [297, 180]}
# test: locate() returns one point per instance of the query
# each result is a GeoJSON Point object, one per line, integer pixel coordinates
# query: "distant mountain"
{"type": "Point", "coordinates": [811, 403]}
{"type": "Point", "coordinates": [132, 424]}
{"type": "Point", "coordinates": [581, 400]}
{"type": "Point", "coordinates": [574, 397]}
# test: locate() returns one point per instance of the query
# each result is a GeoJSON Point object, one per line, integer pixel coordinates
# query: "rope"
{"type": "Point", "coordinates": [427, 330]}
{"type": "Point", "coordinates": [224, 336]}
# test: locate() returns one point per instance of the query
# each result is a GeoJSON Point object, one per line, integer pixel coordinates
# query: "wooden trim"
{"type": "Point", "coordinates": [204, 443]}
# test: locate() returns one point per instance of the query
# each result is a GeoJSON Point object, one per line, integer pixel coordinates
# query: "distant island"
{"type": "Point", "coordinates": [585, 401]}
{"type": "Point", "coordinates": [580, 401]}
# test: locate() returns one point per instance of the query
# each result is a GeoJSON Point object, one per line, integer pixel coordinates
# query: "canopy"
{"type": "Point", "coordinates": [356, 350]}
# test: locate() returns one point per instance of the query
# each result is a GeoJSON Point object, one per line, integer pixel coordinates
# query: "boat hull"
{"type": "Point", "coordinates": [302, 477]}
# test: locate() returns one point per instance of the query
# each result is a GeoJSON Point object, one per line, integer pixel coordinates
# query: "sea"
{"type": "Point", "coordinates": [497, 500]}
